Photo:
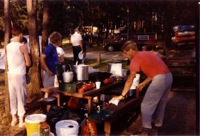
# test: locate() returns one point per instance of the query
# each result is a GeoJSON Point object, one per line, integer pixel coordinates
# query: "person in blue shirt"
{"type": "Point", "coordinates": [49, 59]}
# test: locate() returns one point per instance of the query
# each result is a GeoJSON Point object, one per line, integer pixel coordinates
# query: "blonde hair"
{"type": "Point", "coordinates": [55, 38]}
{"type": "Point", "coordinates": [129, 45]}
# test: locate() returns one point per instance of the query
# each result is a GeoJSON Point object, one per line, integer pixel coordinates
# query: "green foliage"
{"type": "Point", "coordinates": [67, 14]}
{"type": "Point", "coordinates": [18, 14]}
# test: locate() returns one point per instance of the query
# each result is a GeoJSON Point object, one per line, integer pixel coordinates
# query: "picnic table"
{"type": "Point", "coordinates": [89, 95]}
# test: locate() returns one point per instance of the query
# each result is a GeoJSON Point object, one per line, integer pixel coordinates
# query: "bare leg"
{"type": "Point", "coordinates": [14, 120]}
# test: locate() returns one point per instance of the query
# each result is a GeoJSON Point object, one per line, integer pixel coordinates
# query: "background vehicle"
{"type": "Point", "coordinates": [114, 44]}
{"type": "Point", "coordinates": [143, 40]}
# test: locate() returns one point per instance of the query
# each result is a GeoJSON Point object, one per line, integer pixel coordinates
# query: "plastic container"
{"type": "Point", "coordinates": [67, 128]}
{"type": "Point", "coordinates": [32, 123]}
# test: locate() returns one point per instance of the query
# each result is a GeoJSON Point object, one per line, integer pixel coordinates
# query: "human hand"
{"type": "Point", "coordinates": [118, 97]}
{"type": "Point", "coordinates": [140, 87]}
{"type": "Point", "coordinates": [84, 54]}
{"type": "Point", "coordinates": [49, 73]}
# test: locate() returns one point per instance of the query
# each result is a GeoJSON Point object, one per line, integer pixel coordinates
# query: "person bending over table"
{"type": "Point", "coordinates": [160, 79]}
{"type": "Point", "coordinates": [77, 45]}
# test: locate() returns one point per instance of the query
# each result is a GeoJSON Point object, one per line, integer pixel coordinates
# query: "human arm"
{"type": "Point", "coordinates": [61, 58]}
{"type": "Point", "coordinates": [127, 86]}
{"type": "Point", "coordinates": [61, 54]}
{"type": "Point", "coordinates": [81, 44]}
{"type": "Point", "coordinates": [143, 84]}
{"type": "Point", "coordinates": [24, 51]}
{"type": "Point", "coordinates": [44, 65]}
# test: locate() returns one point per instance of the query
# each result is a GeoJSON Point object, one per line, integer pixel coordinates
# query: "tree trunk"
{"type": "Point", "coordinates": [45, 24]}
{"type": "Point", "coordinates": [6, 41]}
{"type": "Point", "coordinates": [35, 84]}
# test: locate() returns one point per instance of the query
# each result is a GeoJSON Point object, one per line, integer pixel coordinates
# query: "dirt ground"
{"type": "Point", "coordinates": [180, 116]}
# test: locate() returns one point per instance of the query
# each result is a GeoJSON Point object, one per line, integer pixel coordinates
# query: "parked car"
{"type": "Point", "coordinates": [114, 44]}
{"type": "Point", "coordinates": [143, 40]}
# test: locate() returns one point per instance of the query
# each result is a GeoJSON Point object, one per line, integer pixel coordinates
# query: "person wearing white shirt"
{"type": "Point", "coordinates": [61, 54]}
{"type": "Point", "coordinates": [76, 40]}
{"type": "Point", "coordinates": [18, 59]}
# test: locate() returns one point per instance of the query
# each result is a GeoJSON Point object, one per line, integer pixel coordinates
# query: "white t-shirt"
{"type": "Point", "coordinates": [75, 39]}
{"type": "Point", "coordinates": [60, 51]}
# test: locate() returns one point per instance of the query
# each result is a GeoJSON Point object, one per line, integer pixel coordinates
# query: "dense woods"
{"type": "Point", "coordinates": [136, 15]}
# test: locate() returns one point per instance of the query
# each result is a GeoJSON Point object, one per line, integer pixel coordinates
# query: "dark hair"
{"type": "Point", "coordinates": [129, 45]}
{"type": "Point", "coordinates": [56, 38]}
{"type": "Point", "coordinates": [24, 40]}
{"type": "Point", "coordinates": [16, 30]}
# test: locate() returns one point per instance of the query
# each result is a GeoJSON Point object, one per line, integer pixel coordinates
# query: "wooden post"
{"type": "Point", "coordinates": [99, 57]}
{"type": "Point", "coordinates": [107, 128]}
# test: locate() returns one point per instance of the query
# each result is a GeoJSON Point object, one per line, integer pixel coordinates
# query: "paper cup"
{"type": "Point", "coordinates": [98, 84]}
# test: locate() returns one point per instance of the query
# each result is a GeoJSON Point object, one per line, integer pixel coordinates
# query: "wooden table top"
{"type": "Point", "coordinates": [92, 92]}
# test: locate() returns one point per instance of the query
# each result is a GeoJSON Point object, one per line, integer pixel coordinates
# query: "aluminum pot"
{"type": "Point", "coordinates": [81, 72]}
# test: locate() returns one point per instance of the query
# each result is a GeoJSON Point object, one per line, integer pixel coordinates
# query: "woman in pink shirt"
{"type": "Point", "coordinates": [160, 79]}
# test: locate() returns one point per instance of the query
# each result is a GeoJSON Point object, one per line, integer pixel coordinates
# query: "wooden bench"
{"type": "Point", "coordinates": [112, 113]}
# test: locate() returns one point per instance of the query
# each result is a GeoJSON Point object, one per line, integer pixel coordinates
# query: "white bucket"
{"type": "Point", "coordinates": [32, 123]}
{"type": "Point", "coordinates": [67, 127]}
{"type": "Point", "coordinates": [68, 76]}
{"type": "Point", "coordinates": [115, 69]}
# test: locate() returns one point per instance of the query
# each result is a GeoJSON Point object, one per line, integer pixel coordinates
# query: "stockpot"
{"type": "Point", "coordinates": [81, 72]}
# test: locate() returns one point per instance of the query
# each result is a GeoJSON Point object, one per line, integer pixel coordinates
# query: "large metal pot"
{"type": "Point", "coordinates": [81, 72]}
